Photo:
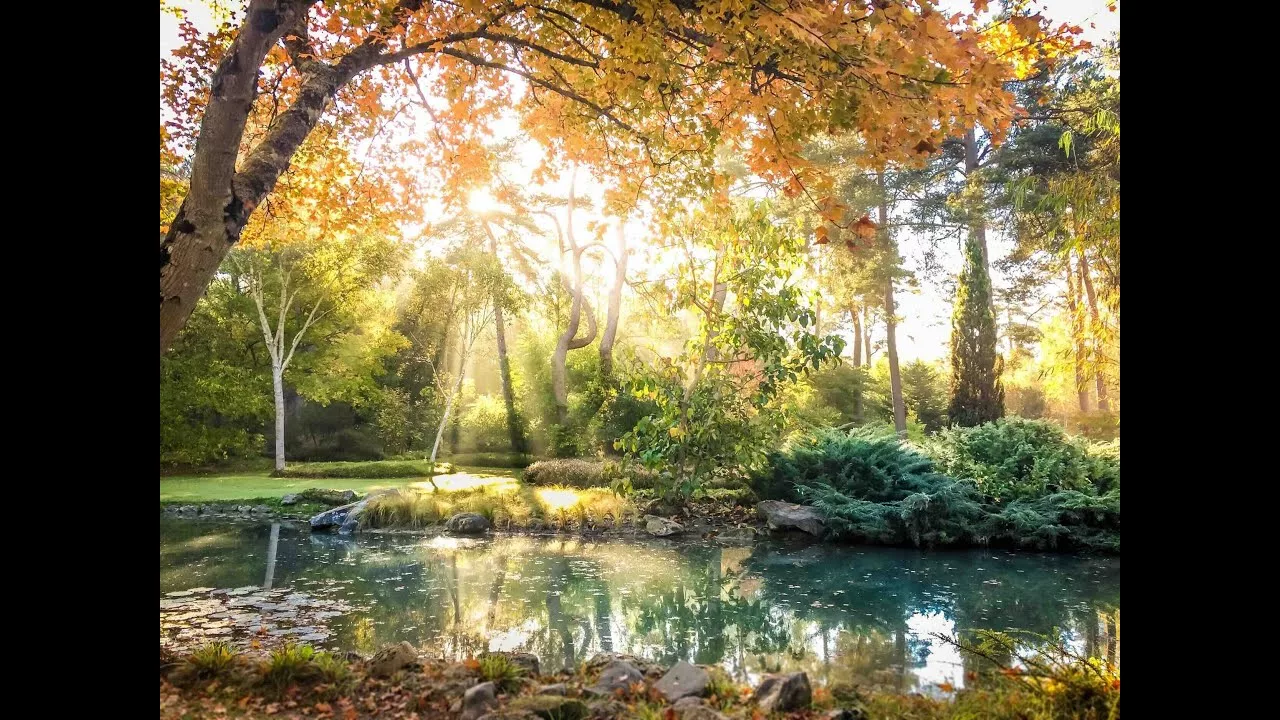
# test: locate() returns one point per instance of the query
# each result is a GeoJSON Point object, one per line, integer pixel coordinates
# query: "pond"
{"type": "Point", "coordinates": [841, 613]}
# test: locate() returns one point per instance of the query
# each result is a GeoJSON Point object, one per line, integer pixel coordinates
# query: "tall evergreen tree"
{"type": "Point", "coordinates": [977, 395]}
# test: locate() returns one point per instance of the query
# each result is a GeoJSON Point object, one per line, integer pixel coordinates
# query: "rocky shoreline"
{"type": "Point", "coordinates": [398, 682]}
{"type": "Point", "coordinates": [730, 524]}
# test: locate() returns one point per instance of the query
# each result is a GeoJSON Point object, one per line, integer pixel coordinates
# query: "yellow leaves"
{"type": "Point", "coordinates": [717, 51]}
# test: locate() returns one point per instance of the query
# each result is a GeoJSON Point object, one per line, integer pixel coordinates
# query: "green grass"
{"type": "Point", "coordinates": [501, 671]}
{"type": "Point", "coordinates": [247, 486]}
{"type": "Point", "coordinates": [379, 469]}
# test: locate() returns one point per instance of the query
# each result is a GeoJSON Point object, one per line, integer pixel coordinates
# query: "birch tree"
{"type": "Point", "coordinates": [308, 292]}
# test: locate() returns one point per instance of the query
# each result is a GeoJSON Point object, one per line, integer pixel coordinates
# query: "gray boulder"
{"type": "Point", "coordinates": [328, 497]}
{"type": "Point", "coordinates": [683, 680]}
{"type": "Point", "coordinates": [290, 499]}
{"type": "Point", "coordinates": [467, 524]}
{"type": "Point", "coordinates": [660, 526]}
{"type": "Point", "coordinates": [554, 689]}
{"type": "Point", "coordinates": [845, 714]}
{"type": "Point", "coordinates": [392, 658]}
{"type": "Point", "coordinates": [783, 693]}
{"type": "Point", "coordinates": [617, 675]}
{"type": "Point", "coordinates": [478, 700]}
{"type": "Point", "coordinates": [783, 515]}
{"type": "Point", "coordinates": [345, 518]}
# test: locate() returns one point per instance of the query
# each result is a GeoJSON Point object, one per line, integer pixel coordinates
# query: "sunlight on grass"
{"type": "Point", "coordinates": [467, 481]}
{"type": "Point", "coordinates": [558, 499]}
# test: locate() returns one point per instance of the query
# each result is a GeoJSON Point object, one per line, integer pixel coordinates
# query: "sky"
{"type": "Point", "coordinates": [924, 313]}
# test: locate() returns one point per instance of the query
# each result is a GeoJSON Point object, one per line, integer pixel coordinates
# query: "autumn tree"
{"type": "Point", "coordinates": [642, 92]}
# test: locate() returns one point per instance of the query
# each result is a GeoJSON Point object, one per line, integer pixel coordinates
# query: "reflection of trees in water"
{"type": "Point", "coordinates": [842, 614]}
{"type": "Point", "coordinates": [869, 596]}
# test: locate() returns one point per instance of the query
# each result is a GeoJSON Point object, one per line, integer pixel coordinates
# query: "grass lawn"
{"type": "Point", "coordinates": [260, 485]}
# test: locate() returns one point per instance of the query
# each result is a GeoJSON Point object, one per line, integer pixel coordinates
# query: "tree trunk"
{"type": "Point", "coordinates": [1104, 403]}
{"type": "Point", "coordinates": [890, 322]}
{"type": "Point", "coordinates": [857, 336]}
{"type": "Point", "coordinates": [977, 225]}
{"type": "Point", "coordinates": [866, 334]}
{"type": "Point", "coordinates": [1077, 338]}
{"type": "Point", "coordinates": [277, 387]}
{"type": "Point", "coordinates": [614, 309]}
{"type": "Point", "coordinates": [448, 406]}
{"type": "Point", "coordinates": [514, 430]}
{"type": "Point", "coordinates": [567, 340]}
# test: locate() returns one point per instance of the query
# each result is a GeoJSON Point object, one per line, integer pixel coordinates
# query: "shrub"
{"type": "Point", "coordinates": [574, 472]}
{"type": "Point", "coordinates": [289, 664]}
{"type": "Point", "coordinates": [501, 671]}
{"type": "Point", "coordinates": [492, 459]}
{"type": "Point", "coordinates": [619, 415]}
{"type": "Point", "coordinates": [1015, 458]}
{"type": "Point", "coordinates": [873, 488]}
{"type": "Point", "coordinates": [867, 463]}
{"type": "Point", "coordinates": [210, 661]}
{"type": "Point", "coordinates": [484, 425]}
{"type": "Point", "coordinates": [581, 473]}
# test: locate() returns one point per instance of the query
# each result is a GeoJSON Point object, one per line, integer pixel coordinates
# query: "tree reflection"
{"type": "Point", "coordinates": [842, 614]}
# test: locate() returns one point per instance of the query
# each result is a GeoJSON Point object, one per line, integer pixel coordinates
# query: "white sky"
{"type": "Point", "coordinates": [925, 314]}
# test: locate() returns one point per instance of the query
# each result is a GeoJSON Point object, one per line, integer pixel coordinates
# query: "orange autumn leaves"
{"type": "Point", "coordinates": [642, 92]}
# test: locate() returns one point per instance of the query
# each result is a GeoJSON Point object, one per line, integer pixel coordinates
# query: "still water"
{"type": "Point", "coordinates": [842, 614]}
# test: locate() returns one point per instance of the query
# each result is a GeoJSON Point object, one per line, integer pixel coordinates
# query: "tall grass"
{"type": "Point", "coordinates": [563, 506]}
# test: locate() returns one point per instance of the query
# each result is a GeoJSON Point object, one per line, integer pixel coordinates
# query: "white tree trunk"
{"type": "Point", "coordinates": [277, 385]}
{"type": "Point", "coordinates": [448, 405]}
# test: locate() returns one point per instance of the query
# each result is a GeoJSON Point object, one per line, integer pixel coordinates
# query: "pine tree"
{"type": "Point", "coordinates": [977, 396]}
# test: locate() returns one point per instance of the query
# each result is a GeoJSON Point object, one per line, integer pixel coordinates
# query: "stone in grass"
{"type": "Point", "coordinates": [784, 692]}
{"type": "Point", "coordinates": [554, 689]}
{"type": "Point", "coordinates": [845, 714]}
{"type": "Point", "coordinates": [290, 499]}
{"type": "Point", "coordinates": [467, 524]}
{"type": "Point", "coordinates": [551, 707]}
{"type": "Point", "coordinates": [683, 680]}
{"type": "Point", "coordinates": [392, 658]}
{"type": "Point", "coordinates": [478, 700]}
{"type": "Point", "coordinates": [617, 675]}
{"type": "Point", "coordinates": [661, 527]}
{"type": "Point", "coordinates": [328, 497]}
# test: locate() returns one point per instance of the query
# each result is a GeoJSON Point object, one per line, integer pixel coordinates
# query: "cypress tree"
{"type": "Point", "coordinates": [977, 396]}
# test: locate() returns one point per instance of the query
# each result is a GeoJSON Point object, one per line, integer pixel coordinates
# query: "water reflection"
{"type": "Point", "coordinates": [861, 615]}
